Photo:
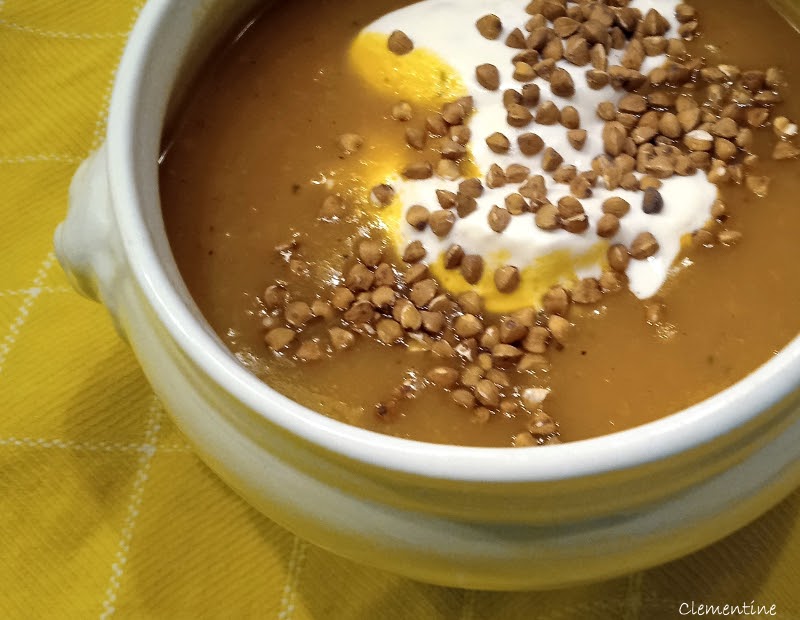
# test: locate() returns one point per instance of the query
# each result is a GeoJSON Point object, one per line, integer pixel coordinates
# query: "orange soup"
{"type": "Point", "coordinates": [546, 224]}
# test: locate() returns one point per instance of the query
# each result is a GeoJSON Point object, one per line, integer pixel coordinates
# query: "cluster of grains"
{"type": "Point", "coordinates": [679, 118]}
{"type": "Point", "coordinates": [488, 364]}
{"type": "Point", "coordinates": [683, 117]}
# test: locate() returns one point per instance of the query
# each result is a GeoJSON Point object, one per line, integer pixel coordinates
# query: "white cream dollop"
{"type": "Point", "coordinates": [447, 28]}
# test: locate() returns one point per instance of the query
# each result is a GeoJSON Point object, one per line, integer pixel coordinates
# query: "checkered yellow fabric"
{"type": "Point", "coordinates": [104, 510]}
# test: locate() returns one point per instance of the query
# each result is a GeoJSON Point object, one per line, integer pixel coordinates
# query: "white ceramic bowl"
{"type": "Point", "coordinates": [474, 517]}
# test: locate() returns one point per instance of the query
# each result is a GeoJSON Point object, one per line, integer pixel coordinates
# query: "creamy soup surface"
{"type": "Point", "coordinates": [299, 191]}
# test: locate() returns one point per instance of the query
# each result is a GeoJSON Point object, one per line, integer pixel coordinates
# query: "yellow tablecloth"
{"type": "Point", "coordinates": [104, 510]}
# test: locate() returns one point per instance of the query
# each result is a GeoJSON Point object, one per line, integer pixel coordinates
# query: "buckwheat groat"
{"type": "Point", "coordinates": [399, 43]}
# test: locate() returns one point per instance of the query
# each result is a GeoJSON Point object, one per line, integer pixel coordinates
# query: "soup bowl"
{"type": "Point", "coordinates": [494, 518]}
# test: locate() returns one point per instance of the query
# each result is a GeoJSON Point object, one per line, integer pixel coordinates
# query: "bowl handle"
{"type": "Point", "coordinates": [87, 242]}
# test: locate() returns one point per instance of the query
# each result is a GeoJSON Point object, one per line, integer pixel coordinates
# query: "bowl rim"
{"type": "Point", "coordinates": [667, 437]}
